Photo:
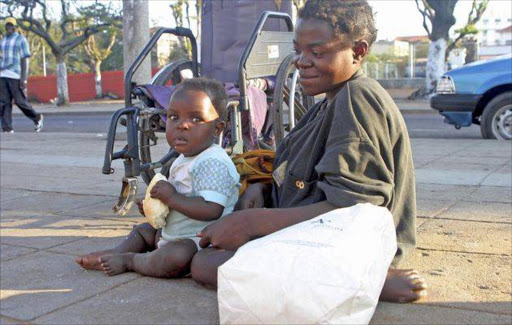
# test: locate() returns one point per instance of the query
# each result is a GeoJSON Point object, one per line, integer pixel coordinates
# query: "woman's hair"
{"type": "Point", "coordinates": [352, 19]}
{"type": "Point", "coordinates": [212, 88]}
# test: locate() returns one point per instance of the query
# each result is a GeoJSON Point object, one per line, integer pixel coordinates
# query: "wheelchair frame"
{"type": "Point", "coordinates": [142, 121]}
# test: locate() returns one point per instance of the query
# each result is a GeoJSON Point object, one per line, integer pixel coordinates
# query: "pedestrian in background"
{"type": "Point", "coordinates": [14, 53]}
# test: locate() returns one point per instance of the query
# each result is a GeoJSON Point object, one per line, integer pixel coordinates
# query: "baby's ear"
{"type": "Point", "coordinates": [360, 50]}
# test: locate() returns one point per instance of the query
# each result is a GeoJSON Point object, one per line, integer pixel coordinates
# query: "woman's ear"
{"type": "Point", "coordinates": [360, 51]}
{"type": "Point", "coordinates": [219, 127]}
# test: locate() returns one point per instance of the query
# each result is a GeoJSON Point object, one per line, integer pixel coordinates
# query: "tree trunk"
{"type": "Point", "coordinates": [435, 64]}
{"type": "Point", "coordinates": [135, 37]}
{"type": "Point", "coordinates": [62, 82]}
{"type": "Point", "coordinates": [97, 79]}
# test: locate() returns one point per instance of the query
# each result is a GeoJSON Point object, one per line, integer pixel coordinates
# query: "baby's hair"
{"type": "Point", "coordinates": [212, 88]}
{"type": "Point", "coordinates": [348, 18]}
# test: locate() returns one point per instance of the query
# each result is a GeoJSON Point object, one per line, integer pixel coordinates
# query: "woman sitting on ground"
{"type": "Point", "coordinates": [352, 147]}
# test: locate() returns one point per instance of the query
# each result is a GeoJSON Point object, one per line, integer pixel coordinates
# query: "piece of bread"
{"type": "Point", "coordinates": [155, 210]}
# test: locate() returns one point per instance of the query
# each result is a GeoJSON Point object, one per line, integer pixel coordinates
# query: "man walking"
{"type": "Point", "coordinates": [14, 52]}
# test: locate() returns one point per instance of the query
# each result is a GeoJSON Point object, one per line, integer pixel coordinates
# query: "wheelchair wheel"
{"type": "Point", "coordinates": [288, 109]}
{"type": "Point", "coordinates": [173, 73]}
{"type": "Point", "coordinates": [152, 126]}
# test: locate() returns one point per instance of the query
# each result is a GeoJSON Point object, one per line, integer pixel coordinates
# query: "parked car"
{"type": "Point", "coordinates": [478, 93]}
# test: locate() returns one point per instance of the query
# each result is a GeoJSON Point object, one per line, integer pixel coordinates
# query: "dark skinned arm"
{"type": "Point", "coordinates": [193, 207]}
{"type": "Point", "coordinates": [237, 228]}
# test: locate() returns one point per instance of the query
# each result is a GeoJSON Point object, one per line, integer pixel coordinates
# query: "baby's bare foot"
{"type": "Point", "coordinates": [115, 264]}
{"type": "Point", "coordinates": [91, 261]}
{"type": "Point", "coordinates": [403, 286]}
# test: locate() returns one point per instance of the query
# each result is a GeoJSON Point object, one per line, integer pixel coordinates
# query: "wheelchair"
{"type": "Point", "coordinates": [267, 58]}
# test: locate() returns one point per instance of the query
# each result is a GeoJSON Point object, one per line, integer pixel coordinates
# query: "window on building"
{"type": "Point", "coordinates": [484, 32]}
{"type": "Point", "coordinates": [497, 42]}
{"type": "Point", "coordinates": [486, 21]}
{"type": "Point", "coordinates": [508, 42]}
{"type": "Point", "coordinates": [497, 20]}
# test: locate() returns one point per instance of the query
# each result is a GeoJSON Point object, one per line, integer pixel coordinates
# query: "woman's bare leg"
{"type": "Point", "coordinates": [400, 286]}
{"type": "Point", "coordinates": [205, 265]}
{"type": "Point", "coordinates": [168, 261]}
{"type": "Point", "coordinates": [403, 286]}
{"type": "Point", "coordinates": [141, 239]}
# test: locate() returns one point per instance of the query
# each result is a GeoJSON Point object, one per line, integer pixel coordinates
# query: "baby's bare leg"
{"type": "Point", "coordinates": [141, 239]}
{"type": "Point", "coordinates": [168, 261]}
{"type": "Point", "coordinates": [206, 263]}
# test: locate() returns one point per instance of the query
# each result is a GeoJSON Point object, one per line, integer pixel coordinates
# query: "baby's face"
{"type": "Point", "coordinates": [192, 122]}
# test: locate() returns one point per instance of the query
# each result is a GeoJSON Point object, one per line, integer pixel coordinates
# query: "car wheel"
{"type": "Point", "coordinates": [497, 118]}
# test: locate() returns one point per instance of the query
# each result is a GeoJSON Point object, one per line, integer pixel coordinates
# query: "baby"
{"type": "Point", "coordinates": [203, 186]}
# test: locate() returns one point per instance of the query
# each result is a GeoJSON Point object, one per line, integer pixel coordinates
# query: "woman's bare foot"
{"type": "Point", "coordinates": [116, 264]}
{"type": "Point", "coordinates": [403, 286]}
{"type": "Point", "coordinates": [91, 261]}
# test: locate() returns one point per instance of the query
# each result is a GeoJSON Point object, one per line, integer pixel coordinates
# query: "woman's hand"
{"type": "Point", "coordinates": [140, 205]}
{"type": "Point", "coordinates": [163, 191]}
{"type": "Point", "coordinates": [230, 232]}
{"type": "Point", "coordinates": [253, 197]}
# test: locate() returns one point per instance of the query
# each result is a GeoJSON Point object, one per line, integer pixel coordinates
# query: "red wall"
{"type": "Point", "coordinates": [81, 86]}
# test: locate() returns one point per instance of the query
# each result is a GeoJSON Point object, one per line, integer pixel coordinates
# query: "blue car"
{"type": "Point", "coordinates": [478, 93]}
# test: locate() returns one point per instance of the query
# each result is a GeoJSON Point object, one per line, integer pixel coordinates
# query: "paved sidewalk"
{"type": "Point", "coordinates": [55, 204]}
{"type": "Point", "coordinates": [95, 106]}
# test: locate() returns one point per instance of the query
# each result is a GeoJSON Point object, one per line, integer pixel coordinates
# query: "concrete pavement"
{"type": "Point", "coordinates": [56, 203]}
{"type": "Point", "coordinates": [95, 106]}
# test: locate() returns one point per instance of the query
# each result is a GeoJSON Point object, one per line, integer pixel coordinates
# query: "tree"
{"type": "Point", "coordinates": [299, 4]}
{"type": "Point", "coordinates": [177, 13]}
{"type": "Point", "coordinates": [438, 18]}
{"type": "Point", "coordinates": [477, 10]}
{"type": "Point", "coordinates": [135, 38]}
{"type": "Point", "coordinates": [97, 53]}
{"type": "Point", "coordinates": [70, 34]}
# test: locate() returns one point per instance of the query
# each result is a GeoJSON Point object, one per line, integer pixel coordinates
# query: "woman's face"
{"type": "Point", "coordinates": [324, 62]}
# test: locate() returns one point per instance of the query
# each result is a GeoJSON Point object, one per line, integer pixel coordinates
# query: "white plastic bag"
{"type": "Point", "coordinates": [330, 269]}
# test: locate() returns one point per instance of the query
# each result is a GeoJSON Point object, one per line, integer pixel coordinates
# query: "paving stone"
{"type": "Point", "coordinates": [463, 280]}
{"type": "Point", "coordinates": [491, 194]}
{"type": "Point", "coordinates": [420, 160]}
{"type": "Point", "coordinates": [454, 174]}
{"type": "Point", "coordinates": [445, 192]}
{"type": "Point", "coordinates": [501, 177]}
{"type": "Point", "coordinates": [88, 245]}
{"type": "Point", "coordinates": [8, 194]}
{"type": "Point", "coordinates": [50, 184]}
{"type": "Point", "coordinates": [8, 252]}
{"type": "Point", "coordinates": [45, 232]}
{"type": "Point", "coordinates": [479, 211]}
{"type": "Point", "coordinates": [69, 173]}
{"type": "Point", "coordinates": [430, 208]}
{"type": "Point", "coordinates": [104, 210]}
{"type": "Point", "coordinates": [46, 202]}
{"type": "Point", "coordinates": [146, 300]}
{"type": "Point", "coordinates": [10, 321]}
{"type": "Point", "coordinates": [466, 236]}
{"type": "Point", "coordinates": [470, 160]}
{"type": "Point", "coordinates": [488, 149]}
{"type": "Point", "coordinates": [388, 313]}
{"type": "Point", "coordinates": [35, 285]}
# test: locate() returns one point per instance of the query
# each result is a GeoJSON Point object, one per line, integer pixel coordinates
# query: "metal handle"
{"type": "Point", "coordinates": [178, 31]}
{"type": "Point", "coordinates": [247, 50]}
{"type": "Point", "coordinates": [131, 150]}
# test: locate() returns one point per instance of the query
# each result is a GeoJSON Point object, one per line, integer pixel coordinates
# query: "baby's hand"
{"type": "Point", "coordinates": [163, 191]}
{"type": "Point", "coordinates": [140, 205]}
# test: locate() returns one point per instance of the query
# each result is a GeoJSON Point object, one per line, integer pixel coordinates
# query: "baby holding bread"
{"type": "Point", "coordinates": [203, 186]}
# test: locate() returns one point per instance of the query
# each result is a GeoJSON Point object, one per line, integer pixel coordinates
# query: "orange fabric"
{"type": "Point", "coordinates": [254, 166]}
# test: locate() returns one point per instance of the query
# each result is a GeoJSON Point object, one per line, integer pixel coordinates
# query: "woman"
{"type": "Point", "coordinates": [350, 148]}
